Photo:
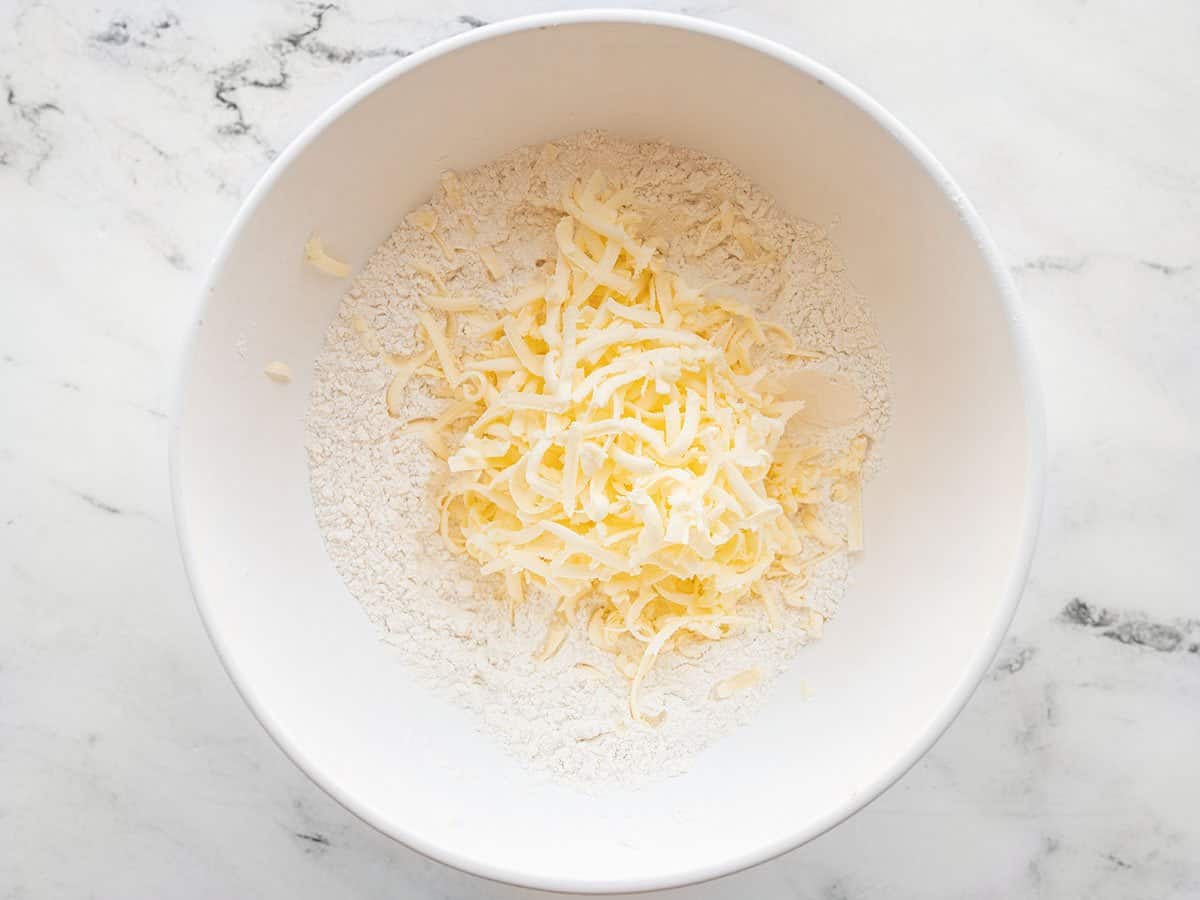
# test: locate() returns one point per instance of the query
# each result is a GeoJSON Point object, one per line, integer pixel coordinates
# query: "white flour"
{"type": "Point", "coordinates": [567, 716]}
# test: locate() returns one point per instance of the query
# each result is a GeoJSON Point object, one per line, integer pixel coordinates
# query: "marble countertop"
{"type": "Point", "coordinates": [129, 131]}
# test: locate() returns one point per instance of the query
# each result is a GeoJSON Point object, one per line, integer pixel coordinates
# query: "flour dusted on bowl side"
{"type": "Point", "coordinates": [475, 246]}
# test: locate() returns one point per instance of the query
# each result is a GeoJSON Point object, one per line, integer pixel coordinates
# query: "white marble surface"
{"type": "Point", "coordinates": [128, 765]}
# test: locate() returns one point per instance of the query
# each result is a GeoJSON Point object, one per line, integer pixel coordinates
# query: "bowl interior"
{"type": "Point", "coordinates": [947, 520]}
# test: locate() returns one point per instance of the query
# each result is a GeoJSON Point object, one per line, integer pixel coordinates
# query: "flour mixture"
{"type": "Point", "coordinates": [481, 241]}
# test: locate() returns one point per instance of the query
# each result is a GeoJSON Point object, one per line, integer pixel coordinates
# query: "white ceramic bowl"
{"type": "Point", "coordinates": [951, 520]}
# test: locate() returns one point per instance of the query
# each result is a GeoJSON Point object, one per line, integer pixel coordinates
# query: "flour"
{"type": "Point", "coordinates": [568, 716]}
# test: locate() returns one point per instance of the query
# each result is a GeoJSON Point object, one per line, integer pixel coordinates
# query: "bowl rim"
{"type": "Point", "coordinates": [1032, 405]}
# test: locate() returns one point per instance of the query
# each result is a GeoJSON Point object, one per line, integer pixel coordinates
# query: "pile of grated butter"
{"type": "Point", "coordinates": [623, 445]}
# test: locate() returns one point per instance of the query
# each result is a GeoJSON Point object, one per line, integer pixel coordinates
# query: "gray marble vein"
{"type": "Point", "coordinates": [129, 132]}
{"type": "Point", "coordinates": [31, 140]}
